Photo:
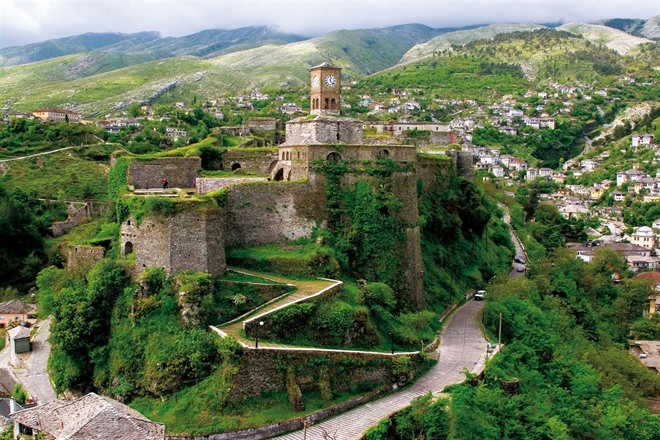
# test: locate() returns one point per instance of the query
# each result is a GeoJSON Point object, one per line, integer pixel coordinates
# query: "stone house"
{"type": "Point", "coordinates": [57, 115]}
{"type": "Point", "coordinates": [545, 172]}
{"type": "Point", "coordinates": [642, 139]}
{"type": "Point", "coordinates": [618, 196]}
{"type": "Point", "coordinates": [589, 165]}
{"type": "Point", "coordinates": [497, 171]}
{"type": "Point", "coordinates": [518, 165]}
{"type": "Point", "coordinates": [90, 417]}
{"type": "Point", "coordinates": [573, 211]}
{"type": "Point", "coordinates": [648, 353]}
{"type": "Point", "coordinates": [645, 237]}
{"type": "Point", "coordinates": [532, 173]}
{"type": "Point", "coordinates": [16, 310]}
{"type": "Point", "coordinates": [625, 250]}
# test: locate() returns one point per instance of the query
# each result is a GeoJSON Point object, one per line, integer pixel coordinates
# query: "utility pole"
{"type": "Point", "coordinates": [499, 335]}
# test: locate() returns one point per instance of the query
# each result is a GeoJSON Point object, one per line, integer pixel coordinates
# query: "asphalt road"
{"type": "Point", "coordinates": [462, 347]}
{"type": "Point", "coordinates": [35, 377]}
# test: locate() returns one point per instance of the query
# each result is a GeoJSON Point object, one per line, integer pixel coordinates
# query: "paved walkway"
{"type": "Point", "coordinates": [34, 378]}
{"type": "Point", "coordinates": [462, 347]}
{"type": "Point", "coordinates": [305, 289]}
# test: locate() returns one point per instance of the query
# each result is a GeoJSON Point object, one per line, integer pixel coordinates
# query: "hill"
{"type": "Point", "coordinates": [148, 45]}
{"type": "Point", "coordinates": [614, 39]}
{"type": "Point", "coordinates": [459, 38]}
{"type": "Point", "coordinates": [641, 28]}
{"type": "Point", "coordinates": [31, 53]}
{"type": "Point", "coordinates": [97, 82]}
{"type": "Point", "coordinates": [508, 63]}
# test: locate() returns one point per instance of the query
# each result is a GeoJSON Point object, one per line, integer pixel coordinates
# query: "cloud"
{"type": "Point", "coordinates": [26, 21]}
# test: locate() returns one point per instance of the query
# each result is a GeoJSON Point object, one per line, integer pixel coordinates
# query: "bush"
{"type": "Point", "coordinates": [379, 294]}
{"type": "Point", "coordinates": [19, 394]}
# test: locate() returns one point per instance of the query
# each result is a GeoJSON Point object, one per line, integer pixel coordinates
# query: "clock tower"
{"type": "Point", "coordinates": [325, 96]}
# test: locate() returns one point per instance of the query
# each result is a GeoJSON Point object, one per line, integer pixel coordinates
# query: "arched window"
{"type": "Point", "coordinates": [327, 104]}
{"type": "Point", "coordinates": [382, 154]}
{"type": "Point", "coordinates": [333, 104]}
{"type": "Point", "coordinates": [333, 157]}
{"type": "Point", "coordinates": [128, 248]}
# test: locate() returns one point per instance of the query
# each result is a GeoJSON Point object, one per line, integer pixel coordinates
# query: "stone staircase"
{"type": "Point", "coordinates": [304, 290]}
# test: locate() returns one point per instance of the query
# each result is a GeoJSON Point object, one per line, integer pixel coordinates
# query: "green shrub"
{"type": "Point", "coordinates": [19, 394]}
{"type": "Point", "coordinates": [379, 294]}
{"type": "Point", "coordinates": [334, 319]}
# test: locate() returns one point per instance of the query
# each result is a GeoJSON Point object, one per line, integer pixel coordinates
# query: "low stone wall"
{"type": "Point", "coordinates": [266, 291]}
{"type": "Point", "coordinates": [77, 214]}
{"type": "Point", "coordinates": [180, 172]}
{"type": "Point", "coordinates": [269, 431]}
{"type": "Point", "coordinates": [264, 370]}
{"type": "Point", "coordinates": [207, 184]}
{"type": "Point", "coordinates": [81, 258]}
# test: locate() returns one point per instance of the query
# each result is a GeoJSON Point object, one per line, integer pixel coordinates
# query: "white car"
{"type": "Point", "coordinates": [479, 296]}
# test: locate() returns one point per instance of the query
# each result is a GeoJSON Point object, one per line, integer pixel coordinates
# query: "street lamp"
{"type": "Point", "coordinates": [256, 342]}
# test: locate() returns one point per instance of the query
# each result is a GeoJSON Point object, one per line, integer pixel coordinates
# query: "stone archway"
{"type": "Point", "coordinates": [333, 157]}
{"type": "Point", "coordinates": [235, 166]}
{"type": "Point", "coordinates": [383, 154]}
{"type": "Point", "coordinates": [279, 175]}
{"type": "Point", "coordinates": [128, 248]}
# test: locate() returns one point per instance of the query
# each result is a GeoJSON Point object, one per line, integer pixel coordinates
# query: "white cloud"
{"type": "Point", "coordinates": [26, 21]}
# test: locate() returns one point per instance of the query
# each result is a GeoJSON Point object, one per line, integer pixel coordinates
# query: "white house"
{"type": "Point", "coordinates": [645, 237]}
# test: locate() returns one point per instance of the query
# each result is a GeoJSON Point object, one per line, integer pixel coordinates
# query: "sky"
{"type": "Point", "coordinates": [30, 21]}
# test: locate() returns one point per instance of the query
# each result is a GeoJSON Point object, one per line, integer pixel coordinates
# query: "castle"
{"type": "Point", "coordinates": [287, 207]}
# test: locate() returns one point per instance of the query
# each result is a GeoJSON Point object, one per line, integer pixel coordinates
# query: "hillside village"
{"type": "Point", "coordinates": [194, 184]}
{"type": "Point", "coordinates": [514, 118]}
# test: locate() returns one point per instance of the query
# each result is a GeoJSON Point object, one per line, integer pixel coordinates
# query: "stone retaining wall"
{"type": "Point", "coordinates": [274, 429]}
{"type": "Point", "coordinates": [207, 184]}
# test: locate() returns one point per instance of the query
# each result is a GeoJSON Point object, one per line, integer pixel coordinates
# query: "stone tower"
{"type": "Point", "coordinates": [325, 96]}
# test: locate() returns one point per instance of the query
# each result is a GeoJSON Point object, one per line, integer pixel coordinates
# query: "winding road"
{"type": "Point", "coordinates": [463, 347]}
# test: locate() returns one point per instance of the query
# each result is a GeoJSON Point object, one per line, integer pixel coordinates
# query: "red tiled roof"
{"type": "Point", "coordinates": [651, 276]}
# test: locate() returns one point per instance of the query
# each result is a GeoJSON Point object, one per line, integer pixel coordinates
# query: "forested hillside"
{"type": "Point", "coordinates": [562, 373]}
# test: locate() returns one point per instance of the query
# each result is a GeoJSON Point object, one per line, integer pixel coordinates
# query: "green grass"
{"type": "Point", "coordinates": [197, 410]}
{"type": "Point", "coordinates": [59, 176]}
{"type": "Point", "coordinates": [238, 277]}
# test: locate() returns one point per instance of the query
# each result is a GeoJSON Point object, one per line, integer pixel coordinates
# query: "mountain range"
{"type": "Point", "coordinates": [98, 72]}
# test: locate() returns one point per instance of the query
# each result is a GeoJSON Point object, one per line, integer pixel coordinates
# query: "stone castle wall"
{"type": "Point", "coordinates": [180, 172]}
{"type": "Point", "coordinates": [197, 242]}
{"type": "Point", "coordinates": [324, 130]}
{"type": "Point", "coordinates": [251, 160]}
{"type": "Point", "coordinates": [266, 370]}
{"type": "Point", "coordinates": [208, 184]}
{"type": "Point", "coordinates": [189, 240]}
{"type": "Point", "coordinates": [81, 258]}
{"type": "Point", "coordinates": [273, 212]}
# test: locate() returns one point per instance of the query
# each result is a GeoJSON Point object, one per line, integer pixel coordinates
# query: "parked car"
{"type": "Point", "coordinates": [519, 260]}
{"type": "Point", "coordinates": [520, 268]}
{"type": "Point", "coordinates": [479, 296]}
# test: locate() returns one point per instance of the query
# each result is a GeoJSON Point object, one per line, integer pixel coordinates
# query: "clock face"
{"type": "Point", "coordinates": [315, 81]}
{"type": "Point", "coordinates": [330, 81]}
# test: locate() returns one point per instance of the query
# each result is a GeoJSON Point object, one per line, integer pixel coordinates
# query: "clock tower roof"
{"type": "Point", "coordinates": [324, 65]}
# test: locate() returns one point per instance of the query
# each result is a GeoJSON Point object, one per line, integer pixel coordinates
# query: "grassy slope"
{"type": "Point", "coordinates": [614, 39]}
{"type": "Point", "coordinates": [95, 82]}
{"type": "Point", "coordinates": [59, 175]}
{"type": "Point", "coordinates": [445, 41]}
{"type": "Point", "coordinates": [47, 83]}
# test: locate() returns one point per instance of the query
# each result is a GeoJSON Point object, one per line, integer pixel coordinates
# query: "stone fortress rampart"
{"type": "Point", "coordinates": [288, 207]}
